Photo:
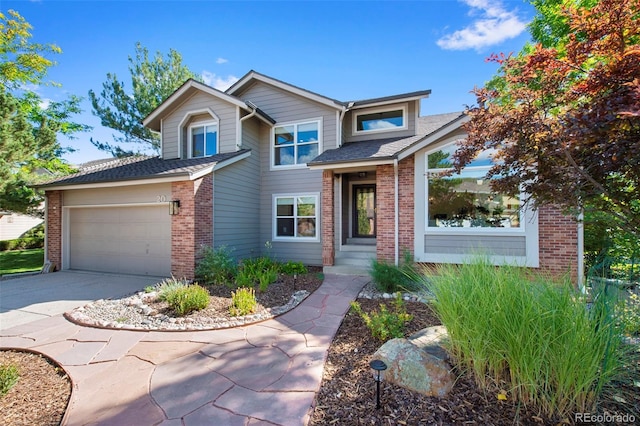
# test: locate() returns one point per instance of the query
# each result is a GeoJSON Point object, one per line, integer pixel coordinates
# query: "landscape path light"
{"type": "Point", "coordinates": [378, 366]}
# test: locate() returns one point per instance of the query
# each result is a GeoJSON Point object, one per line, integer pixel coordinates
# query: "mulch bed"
{"type": "Point", "coordinates": [347, 394]}
{"type": "Point", "coordinates": [41, 395]}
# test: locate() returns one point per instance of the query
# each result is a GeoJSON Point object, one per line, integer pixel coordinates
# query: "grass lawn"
{"type": "Point", "coordinates": [12, 262]}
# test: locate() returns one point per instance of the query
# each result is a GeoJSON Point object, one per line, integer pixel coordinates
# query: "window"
{"type": "Point", "coordinates": [203, 139]}
{"type": "Point", "coordinates": [380, 121]}
{"type": "Point", "coordinates": [296, 217]}
{"type": "Point", "coordinates": [296, 144]}
{"type": "Point", "coordinates": [465, 200]}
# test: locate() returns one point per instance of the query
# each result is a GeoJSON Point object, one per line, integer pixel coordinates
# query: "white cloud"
{"type": "Point", "coordinates": [221, 61]}
{"type": "Point", "coordinates": [44, 103]}
{"type": "Point", "coordinates": [218, 82]}
{"type": "Point", "coordinates": [493, 25]}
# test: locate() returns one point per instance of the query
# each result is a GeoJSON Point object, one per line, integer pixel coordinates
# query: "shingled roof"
{"type": "Point", "coordinates": [140, 167]}
{"type": "Point", "coordinates": [382, 149]}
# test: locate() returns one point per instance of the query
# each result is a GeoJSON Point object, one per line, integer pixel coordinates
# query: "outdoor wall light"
{"type": "Point", "coordinates": [378, 366]}
{"type": "Point", "coordinates": [362, 174]}
{"type": "Point", "coordinates": [174, 207]}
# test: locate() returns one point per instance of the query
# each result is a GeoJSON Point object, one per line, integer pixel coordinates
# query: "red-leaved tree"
{"type": "Point", "coordinates": [565, 119]}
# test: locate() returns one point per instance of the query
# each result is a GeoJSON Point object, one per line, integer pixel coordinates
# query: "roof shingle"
{"type": "Point", "coordinates": [139, 167]}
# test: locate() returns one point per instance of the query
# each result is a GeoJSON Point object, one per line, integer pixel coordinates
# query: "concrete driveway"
{"type": "Point", "coordinates": [27, 299]}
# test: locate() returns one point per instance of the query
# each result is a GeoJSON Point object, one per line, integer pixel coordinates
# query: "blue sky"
{"type": "Point", "coordinates": [347, 50]}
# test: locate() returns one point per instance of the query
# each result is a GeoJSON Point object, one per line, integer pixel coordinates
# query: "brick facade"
{"type": "Point", "coordinates": [328, 219]}
{"type": "Point", "coordinates": [54, 228]}
{"type": "Point", "coordinates": [193, 226]}
{"type": "Point", "coordinates": [558, 242]}
{"type": "Point", "coordinates": [385, 204]}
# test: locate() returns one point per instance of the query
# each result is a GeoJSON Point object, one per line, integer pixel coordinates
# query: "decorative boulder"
{"type": "Point", "coordinates": [416, 368]}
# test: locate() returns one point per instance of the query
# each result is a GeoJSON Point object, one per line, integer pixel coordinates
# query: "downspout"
{"type": "Point", "coordinates": [342, 113]}
{"type": "Point", "coordinates": [46, 228]}
{"type": "Point", "coordinates": [254, 110]}
{"type": "Point", "coordinates": [581, 282]}
{"type": "Point", "coordinates": [396, 212]}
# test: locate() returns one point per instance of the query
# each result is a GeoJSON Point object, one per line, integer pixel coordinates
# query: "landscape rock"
{"type": "Point", "coordinates": [413, 368]}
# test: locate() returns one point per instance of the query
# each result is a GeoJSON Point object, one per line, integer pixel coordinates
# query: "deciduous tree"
{"type": "Point", "coordinates": [564, 114]}
{"type": "Point", "coordinates": [152, 81]}
{"type": "Point", "coordinates": [28, 128]}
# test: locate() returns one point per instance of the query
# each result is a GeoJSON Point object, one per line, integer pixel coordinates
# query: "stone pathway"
{"type": "Point", "coordinates": [261, 374]}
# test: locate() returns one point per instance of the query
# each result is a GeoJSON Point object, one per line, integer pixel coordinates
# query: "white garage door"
{"type": "Point", "coordinates": [125, 240]}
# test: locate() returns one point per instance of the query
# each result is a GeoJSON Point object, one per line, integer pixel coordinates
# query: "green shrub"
{"type": "Point", "coordinates": [629, 313]}
{"type": "Point", "coordinates": [390, 278]}
{"type": "Point", "coordinates": [168, 286]}
{"type": "Point", "coordinates": [385, 325]}
{"type": "Point", "coordinates": [217, 266]}
{"type": "Point", "coordinates": [184, 300]}
{"type": "Point", "coordinates": [243, 301]}
{"type": "Point", "coordinates": [260, 271]}
{"type": "Point", "coordinates": [293, 268]}
{"type": "Point", "coordinates": [8, 378]}
{"type": "Point", "coordinates": [534, 336]}
{"type": "Point", "coordinates": [22, 243]}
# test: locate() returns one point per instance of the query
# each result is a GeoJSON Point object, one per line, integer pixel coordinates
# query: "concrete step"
{"type": "Point", "coordinates": [361, 241]}
{"type": "Point", "coordinates": [346, 270]}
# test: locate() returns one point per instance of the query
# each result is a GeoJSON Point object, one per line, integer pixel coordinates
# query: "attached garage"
{"type": "Point", "coordinates": [125, 240]}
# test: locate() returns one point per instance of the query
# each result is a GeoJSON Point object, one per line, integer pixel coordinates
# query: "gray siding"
{"type": "Point", "coordinates": [285, 107]}
{"type": "Point", "coordinates": [410, 131]}
{"type": "Point", "coordinates": [225, 111]}
{"type": "Point", "coordinates": [236, 209]}
{"type": "Point", "coordinates": [469, 244]}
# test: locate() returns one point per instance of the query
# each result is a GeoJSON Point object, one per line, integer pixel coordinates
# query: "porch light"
{"type": "Point", "coordinates": [174, 207]}
{"type": "Point", "coordinates": [378, 366]}
{"type": "Point", "coordinates": [362, 174]}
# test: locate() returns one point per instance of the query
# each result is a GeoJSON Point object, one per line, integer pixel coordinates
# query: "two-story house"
{"type": "Point", "coordinates": [322, 180]}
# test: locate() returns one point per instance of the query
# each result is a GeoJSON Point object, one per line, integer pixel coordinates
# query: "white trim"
{"type": "Point", "coordinates": [272, 143]}
{"type": "Point", "coordinates": [204, 125]}
{"type": "Point", "coordinates": [162, 140]}
{"type": "Point", "coordinates": [351, 165]}
{"type": "Point", "coordinates": [183, 90]}
{"type": "Point", "coordinates": [274, 218]}
{"type": "Point", "coordinates": [187, 116]}
{"type": "Point", "coordinates": [390, 101]}
{"type": "Point", "coordinates": [129, 182]}
{"type": "Point", "coordinates": [284, 86]}
{"type": "Point", "coordinates": [355, 115]}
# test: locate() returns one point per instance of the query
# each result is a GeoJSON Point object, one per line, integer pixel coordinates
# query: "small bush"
{"type": "Point", "coordinates": [385, 325]}
{"type": "Point", "coordinates": [168, 286]}
{"type": "Point", "coordinates": [8, 378]}
{"type": "Point", "coordinates": [22, 244]}
{"type": "Point", "coordinates": [217, 266]}
{"type": "Point", "coordinates": [629, 312]}
{"type": "Point", "coordinates": [293, 268]}
{"type": "Point", "coordinates": [261, 271]}
{"type": "Point", "coordinates": [243, 302]}
{"type": "Point", "coordinates": [184, 300]}
{"type": "Point", "coordinates": [390, 278]}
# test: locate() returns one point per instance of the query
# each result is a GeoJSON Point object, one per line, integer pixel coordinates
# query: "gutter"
{"type": "Point", "coordinates": [396, 218]}
{"type": "Point", "coordinates": [581, 281]}
{"type": "Point", "coordinates": [341, 117]}
{"type": "Point", "coordinates": [252, 114]}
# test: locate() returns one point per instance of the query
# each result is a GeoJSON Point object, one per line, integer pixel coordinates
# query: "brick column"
{"type": "Point", "coordinates": [385, 216]}
{"type": "Point", "coordinates": [193, 226]}
{"type": "Point", "coordinates": [328, 218]}
{"type": "Point", "coordinates": [54, 228]}
{"type": "Point", "coordinates": [558, 242]}
{"type": "Point", "coordinates": [406, 200]}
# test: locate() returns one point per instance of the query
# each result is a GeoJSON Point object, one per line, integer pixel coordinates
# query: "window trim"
{"type": "Point", "coordinates": [274, 219]}
{"type": "Point", "coordinates": [273, 165]}
{"type": "Point", "coordinates": [405, 120]}
{"type": "Point", "coordinates": [190, 136]}
{"type": "Point", "coordinates": [479, 230]}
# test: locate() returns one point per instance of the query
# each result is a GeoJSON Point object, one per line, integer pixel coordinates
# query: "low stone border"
{"type": "Point", "coordinates": [148, 321]}
{"type": "Point", "coordinates": [370, 291]}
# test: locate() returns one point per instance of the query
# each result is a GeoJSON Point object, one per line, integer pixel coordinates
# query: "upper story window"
{"type": "Point", "coordinates": [465, 200]}
{"type": "Point", "coordinates": [203, 139]}
{"type": "Point", "coordinates": [296, 144]}
{"type": "Point", "coordinates": [380, 120]}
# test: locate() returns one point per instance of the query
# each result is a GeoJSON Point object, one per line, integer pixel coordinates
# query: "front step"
{"type": "Point", "coordinates": [352, 260]}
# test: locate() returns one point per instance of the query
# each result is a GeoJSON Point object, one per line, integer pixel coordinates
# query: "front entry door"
{"type": "Point", "coordinates": [364, 211]}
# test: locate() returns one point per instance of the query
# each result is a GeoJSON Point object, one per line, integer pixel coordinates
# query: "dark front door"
{"type": "Point", "coordinates": [364, 211]}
